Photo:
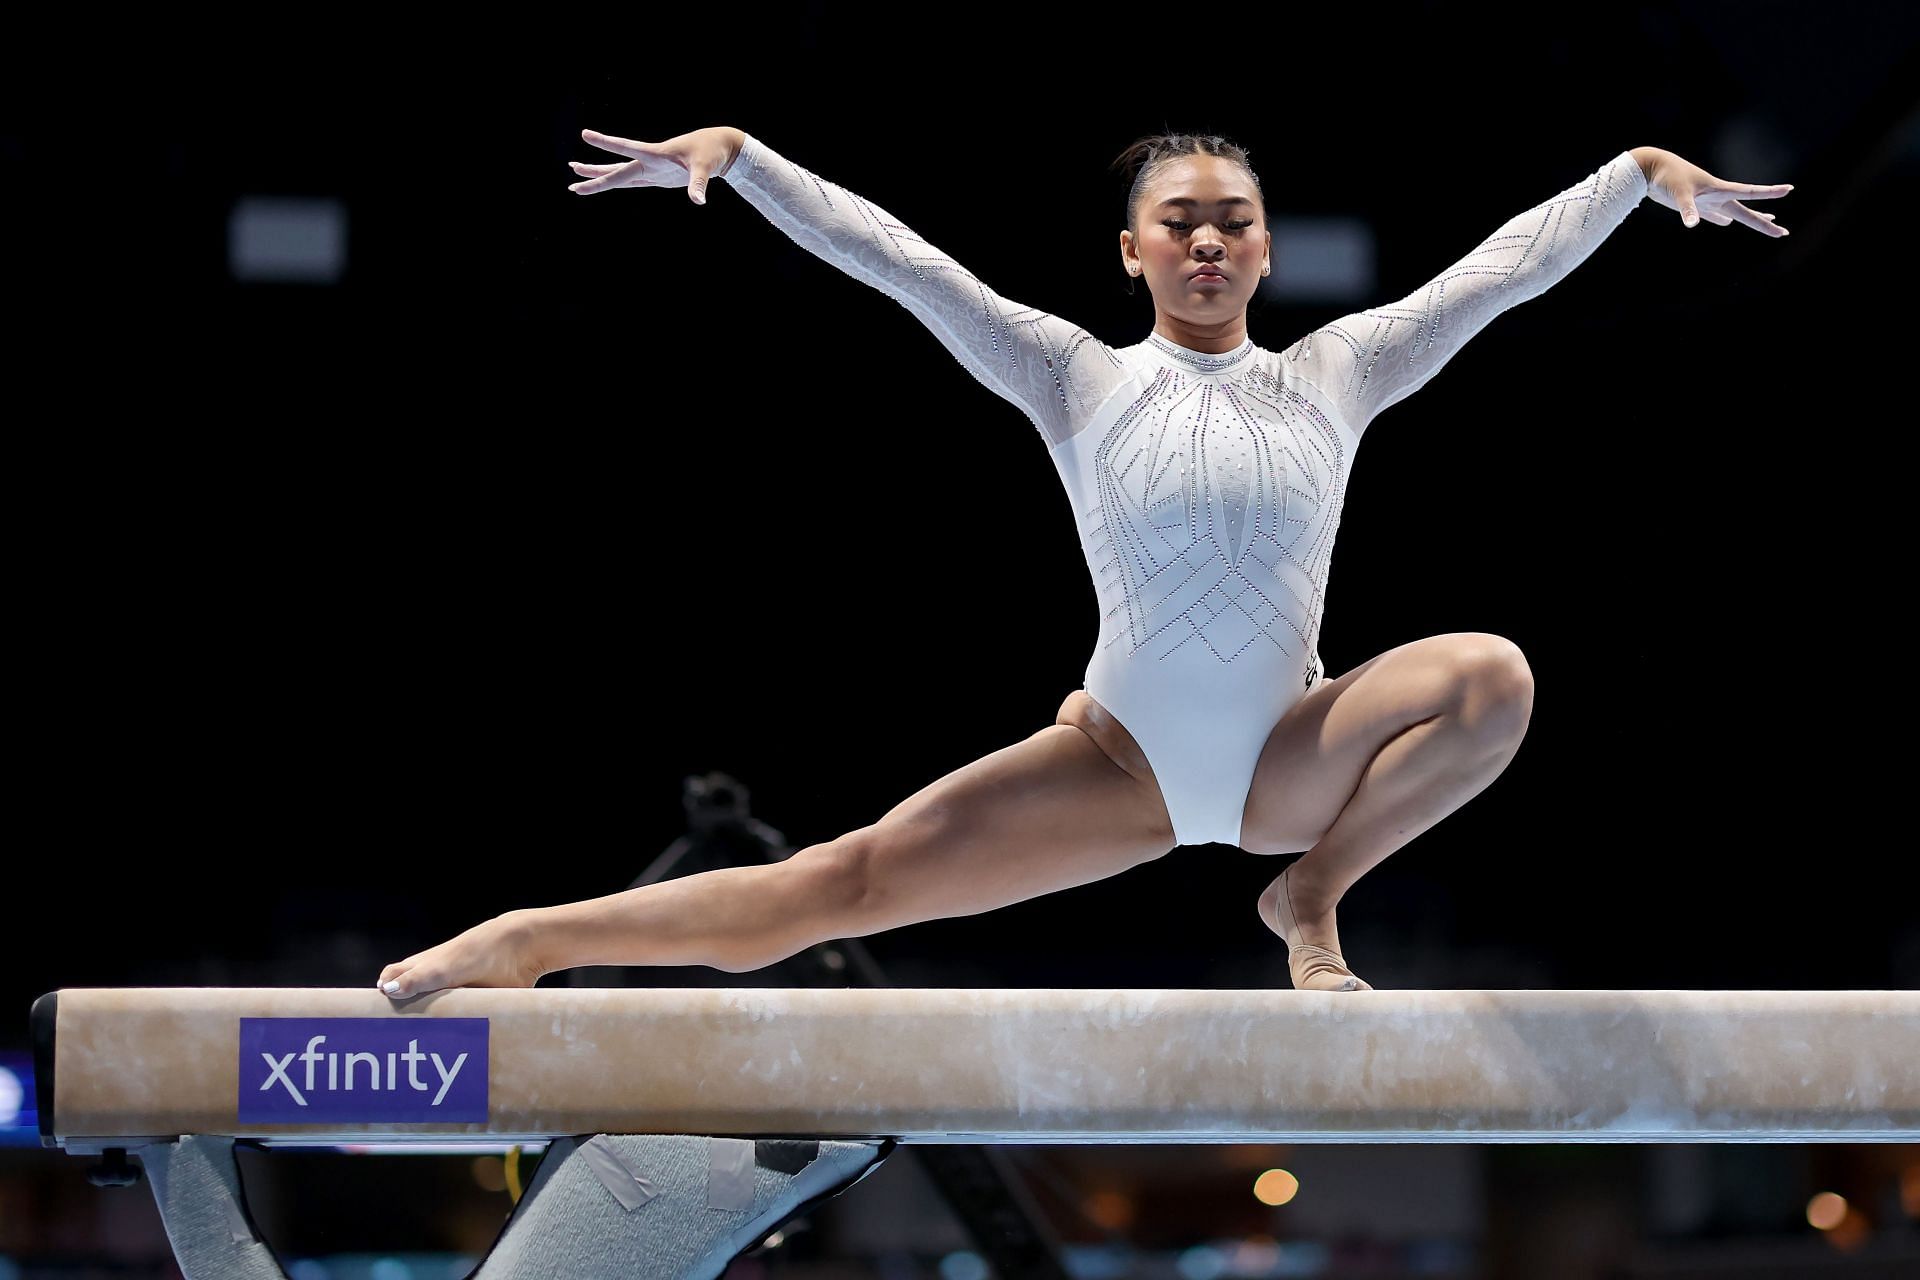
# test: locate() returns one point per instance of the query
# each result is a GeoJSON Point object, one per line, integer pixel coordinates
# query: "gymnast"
{"type": "Point", "coordinates": [1206, 476]}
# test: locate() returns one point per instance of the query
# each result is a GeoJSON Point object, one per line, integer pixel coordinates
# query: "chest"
{"type": "Point", "coordinates": [1229, 463]}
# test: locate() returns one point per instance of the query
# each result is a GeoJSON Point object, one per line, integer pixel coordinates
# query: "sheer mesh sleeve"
{"type": "Point", "coordinates": [1377, 357]}
{"type": "Point", "coordinates": [1057, 372]}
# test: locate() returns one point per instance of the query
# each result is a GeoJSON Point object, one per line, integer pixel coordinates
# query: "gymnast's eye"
{"type": "Point", "coordinates": [1179, 225]}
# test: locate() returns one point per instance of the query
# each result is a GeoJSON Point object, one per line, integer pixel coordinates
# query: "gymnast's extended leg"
{"type": "Point", "coordinates": [1073, 803]}
{"type": "Point", "coordinates": [1044, 814]}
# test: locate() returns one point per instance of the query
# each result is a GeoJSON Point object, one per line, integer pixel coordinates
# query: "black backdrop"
{"type": "Point", "coordinates": [382, 608]}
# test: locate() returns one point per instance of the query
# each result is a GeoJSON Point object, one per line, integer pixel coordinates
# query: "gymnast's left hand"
{"type": "Point", "coordinates": [494, 953]}
{"type": "Point", "coordinates": [1694, 194]}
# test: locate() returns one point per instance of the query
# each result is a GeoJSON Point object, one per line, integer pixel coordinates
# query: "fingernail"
{"type": "Point", "coordinates": [392, 988]}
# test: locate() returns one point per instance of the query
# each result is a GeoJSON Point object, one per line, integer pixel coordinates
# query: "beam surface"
{"type": "Point", "coordinates": [1044, 1065]}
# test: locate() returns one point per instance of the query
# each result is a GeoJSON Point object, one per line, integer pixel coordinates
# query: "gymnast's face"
{"type": "Point", "coordinates": [1200, 211]}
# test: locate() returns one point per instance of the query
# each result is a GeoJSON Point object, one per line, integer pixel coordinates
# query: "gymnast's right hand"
{"type": "Point", "coordinates": [686, 161]}
{"type": "Point", "coordinates": [494, 953]}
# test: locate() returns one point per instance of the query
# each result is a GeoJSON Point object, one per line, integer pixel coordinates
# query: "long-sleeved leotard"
{"type": "Point", "coordinates": [1206, 488]}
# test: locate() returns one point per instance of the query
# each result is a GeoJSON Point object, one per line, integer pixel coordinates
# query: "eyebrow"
{"type": "Point", "coordinates": [1228, 200]}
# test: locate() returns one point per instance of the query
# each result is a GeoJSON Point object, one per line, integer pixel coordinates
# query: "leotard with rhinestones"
{"type": "Point", "coordinates": [1206, 488]}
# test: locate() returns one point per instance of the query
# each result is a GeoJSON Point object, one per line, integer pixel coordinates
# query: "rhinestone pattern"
{"type": "Point", "coordinates": [1054, 371]}
{"type": "Point", "coordinates": [1214, 503]}
{"type": "Point", "coordinates": [1379, 356]}
{"type": "Point", "coordinates": [1207, 487]}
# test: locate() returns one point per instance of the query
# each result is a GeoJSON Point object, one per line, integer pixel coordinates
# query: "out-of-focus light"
{"type": "Point", "coordinates": [1851, 1233]}
{"type": "Point", "coordinates": [1275, 1186]}
{"type": "Point", "coordinates": [287, 240]}
{"type": "Point", "coordinates": [389, 1269]}
{"type": "Point", "coordinates": [489, 1173]}
{"type": "Point", "coordinates": [12, 1094]}
{"type": "Point", "coordinates": [1202, 1262]}
{"type": "Point", "coordinates": [308, 1269]}
{"type": "Point", "coordinates": [1098, 1261]}
{"type": "Point", "coordinates": [1826, 1210]}
{"type": "Point", "coordinates": [1254, 1256]}
{"type": "Point", "coordinates": [1322, 260]}
{"type": "Point", "coordinates": [1910, 1191]}
{"type": "Point", "coordinates": [963, 1264]}
{"type": "Point", "coordinates": [1111, 1209]}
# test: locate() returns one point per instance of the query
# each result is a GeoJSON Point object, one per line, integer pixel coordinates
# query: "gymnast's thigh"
{"type": "Point", "coordinates": [1047, 813]}
{"type": "Point", "coordinates": [1315, 756]}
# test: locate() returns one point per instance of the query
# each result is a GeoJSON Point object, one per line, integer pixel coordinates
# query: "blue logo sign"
{"type": "Point", "coordinates": [363, 1070]}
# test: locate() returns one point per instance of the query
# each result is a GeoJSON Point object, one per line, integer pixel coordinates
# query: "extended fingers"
{"type": "Point", "coordinates": [603, 172]}
{"type": "Point", "coordinates": [597, 179]}
{"type": "Point", "coordinates": [1757, 220]}
{"type": "Point", "coordinates": [1717, 203]}
{"type": "Point", "coordinates": [607, 142]}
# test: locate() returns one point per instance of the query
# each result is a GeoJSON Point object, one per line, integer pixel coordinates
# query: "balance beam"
{"type": "Point", "coordinates": [122, 1067]}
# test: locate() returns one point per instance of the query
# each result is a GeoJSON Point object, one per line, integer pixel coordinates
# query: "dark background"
{"type": "Point", "coordinates": [347, 617]}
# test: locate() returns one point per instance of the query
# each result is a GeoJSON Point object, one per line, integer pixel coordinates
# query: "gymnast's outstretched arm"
{"type": "Point", "coordinates": [1055, 371]}
{"type": "Point", "coordinates": [1376, 357]}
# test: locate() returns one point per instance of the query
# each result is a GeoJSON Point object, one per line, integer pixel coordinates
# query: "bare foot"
{"type": "Point", "coordinates": [494, 953]}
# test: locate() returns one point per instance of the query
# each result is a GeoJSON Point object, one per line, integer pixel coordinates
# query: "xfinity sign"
{"type": "Point", "coordinates": [363, 1070]}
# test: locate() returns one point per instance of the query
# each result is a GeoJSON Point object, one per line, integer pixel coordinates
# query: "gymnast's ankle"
{"type": "Point", "coordinates": [1309, 897]}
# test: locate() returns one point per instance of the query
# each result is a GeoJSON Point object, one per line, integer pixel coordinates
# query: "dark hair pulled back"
{"type": "Point", "coordinates": [1145, 157]}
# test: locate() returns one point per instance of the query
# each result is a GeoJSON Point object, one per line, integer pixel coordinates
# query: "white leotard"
{"type": "Point", "coordinates": [1206, 488]}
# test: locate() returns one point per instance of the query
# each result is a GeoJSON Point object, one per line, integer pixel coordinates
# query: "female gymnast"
{"type": "Point", "coordinates": [1206, 475]}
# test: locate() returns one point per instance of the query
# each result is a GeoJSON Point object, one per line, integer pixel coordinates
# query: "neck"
{"type": "Point", "coordinates": [1213, 339]}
